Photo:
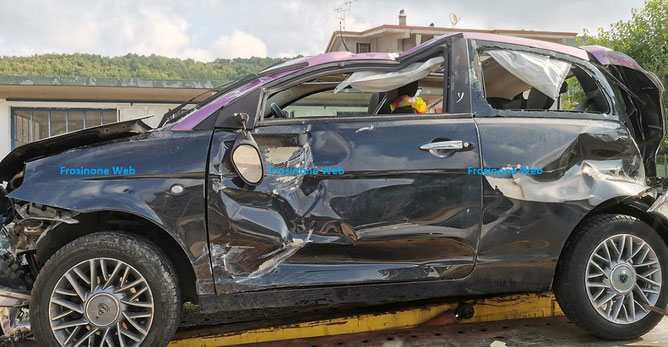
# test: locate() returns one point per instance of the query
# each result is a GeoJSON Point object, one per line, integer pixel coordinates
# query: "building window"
{"type": "Point", "coordinates": [363, 47]}
{"type": "Point", "coordinates": [33, 124]}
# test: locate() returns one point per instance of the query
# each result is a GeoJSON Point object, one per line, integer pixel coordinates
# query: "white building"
{"type": "Point", "coordinates": [32, 108]}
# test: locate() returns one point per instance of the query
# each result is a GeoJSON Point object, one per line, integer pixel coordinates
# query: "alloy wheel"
{"type": "Point", "coordinates": [623, 279]}
{"type": "Point", "coordinates": [101, 302]}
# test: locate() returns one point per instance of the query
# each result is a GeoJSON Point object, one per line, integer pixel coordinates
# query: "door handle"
{"type": "Point", "coordinates": [446, 145]}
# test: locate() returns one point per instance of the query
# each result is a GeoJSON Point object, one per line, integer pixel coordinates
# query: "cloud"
{"type": "Point", "coordinates": [205, 30]}
{"type": "Point", "coordinates": [238, 44]}
{"type": "Point", "coordinates": [107, 28]}
{"type": "Point", "coordinates": [288, 54]}
{"type": "Point", "coordinates": [156, 33]}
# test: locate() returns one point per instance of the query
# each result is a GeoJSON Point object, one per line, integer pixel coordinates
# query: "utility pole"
{"type": "Point", "coordinates": [341, 10]}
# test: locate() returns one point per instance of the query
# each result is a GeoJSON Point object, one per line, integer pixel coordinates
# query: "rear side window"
{"type": "Point", "coordinates": [582, 93]}
{"type": "Point", "coordinates": [514, 80]}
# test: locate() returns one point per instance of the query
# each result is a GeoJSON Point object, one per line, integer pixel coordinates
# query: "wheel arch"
{"type": "Point", "coordinates": [98, 221]}
{"type": "Point", "coordinates": [635, 206]}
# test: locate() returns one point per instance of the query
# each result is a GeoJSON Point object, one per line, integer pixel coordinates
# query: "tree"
{"type": "Point", "coordinates": [131, 66]}
{"type": "Point", "coordinates": [645, 39]}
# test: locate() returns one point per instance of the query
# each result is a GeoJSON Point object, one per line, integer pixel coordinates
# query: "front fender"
{"type": "Point", "coordinates": [155, 162]}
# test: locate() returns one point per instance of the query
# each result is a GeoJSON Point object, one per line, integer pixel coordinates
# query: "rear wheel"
{"type": "Point", "coordinates": [106, 289]}
{"type": "Point", "coordinates": [611, 271]}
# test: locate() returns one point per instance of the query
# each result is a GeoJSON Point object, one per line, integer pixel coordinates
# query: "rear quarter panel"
{"type": "Point", "coordinates": [528, 218]}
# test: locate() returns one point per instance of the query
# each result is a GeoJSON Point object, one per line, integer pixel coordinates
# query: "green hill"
{"type": "Point", "coordinates": [131, 66]}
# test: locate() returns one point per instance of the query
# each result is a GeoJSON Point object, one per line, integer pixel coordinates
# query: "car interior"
{"type": "Point", "coordinates": [504, 91]}
{"type": "Point", "coordinates": [317, 98]}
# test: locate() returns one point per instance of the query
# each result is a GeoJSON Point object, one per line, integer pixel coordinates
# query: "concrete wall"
{"type": "Point", "coordinates": [389, 43]}
{"type": "Point", "coordinates": [5, 129]}
{"type": "Point", "coordinates": [125, 111]}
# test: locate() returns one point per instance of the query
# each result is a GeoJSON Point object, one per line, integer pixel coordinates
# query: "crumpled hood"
{"type": "Point", "coordinates": [13, 163]}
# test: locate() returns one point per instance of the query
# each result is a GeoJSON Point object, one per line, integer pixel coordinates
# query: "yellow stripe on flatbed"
{"type": "Point", "coordinates": [535, 305]}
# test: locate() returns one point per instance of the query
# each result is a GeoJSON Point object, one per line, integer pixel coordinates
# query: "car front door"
{"type": "Point", "coordinates": [381, 208]}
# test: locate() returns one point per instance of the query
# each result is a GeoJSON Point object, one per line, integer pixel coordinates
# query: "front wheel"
{"type": "Point", "coordinates": [106, 289]}
{"type": "Point", "coordinates": [610, 274]}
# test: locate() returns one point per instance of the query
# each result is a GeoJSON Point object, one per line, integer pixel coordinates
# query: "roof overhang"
{"type": "Point", "coordinates": [390, 29]}
{"type": "Point", "coordinates": [102, 89]}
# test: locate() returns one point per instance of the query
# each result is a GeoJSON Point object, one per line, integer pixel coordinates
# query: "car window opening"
{"type": "Point", "coordinates": [415, 89]}
{"type": "Point", "coordinates": [515, 80]}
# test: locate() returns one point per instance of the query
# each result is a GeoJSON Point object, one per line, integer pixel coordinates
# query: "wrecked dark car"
{"type": "Point", "coordinates": [470, 165]}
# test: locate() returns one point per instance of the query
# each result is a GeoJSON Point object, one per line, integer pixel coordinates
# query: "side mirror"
{"type": "Point", "coordinates": [246, 159]}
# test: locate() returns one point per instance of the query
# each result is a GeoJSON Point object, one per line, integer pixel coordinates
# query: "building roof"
{"type": "Point", "coordinates": [390, 28]}
{"type": "Point", "coordinates": [102, 89]}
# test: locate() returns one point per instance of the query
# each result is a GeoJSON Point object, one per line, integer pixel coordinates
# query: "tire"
{"type": "Point", "coordinates": [578, 281]}
{"type": "Point", "coordinates": [106, 306]}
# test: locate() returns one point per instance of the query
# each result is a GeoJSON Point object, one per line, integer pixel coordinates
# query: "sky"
{"type": "Point", "coordinates": [208, 29]}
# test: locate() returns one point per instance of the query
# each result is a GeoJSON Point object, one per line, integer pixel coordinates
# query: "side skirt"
{"type": "Point", "coordinates": [486, 279]}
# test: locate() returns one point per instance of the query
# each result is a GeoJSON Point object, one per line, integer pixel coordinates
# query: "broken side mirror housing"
{"type": "Point", "coordinates": [247, 162]}
{"type": "Point", "coordinates": [246, 159]}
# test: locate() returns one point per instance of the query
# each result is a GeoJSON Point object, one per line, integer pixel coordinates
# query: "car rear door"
{"type": "Point", "coordinates": [587, 158]}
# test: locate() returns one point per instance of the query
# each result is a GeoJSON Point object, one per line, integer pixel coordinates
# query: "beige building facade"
{"type": "Point", "coordinates": [401, 37]}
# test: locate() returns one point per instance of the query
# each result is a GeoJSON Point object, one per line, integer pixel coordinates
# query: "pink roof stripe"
{"type": "Point", "coordinates": [556, 47]}
{"type": "Point", "coordinates": [200, 115]}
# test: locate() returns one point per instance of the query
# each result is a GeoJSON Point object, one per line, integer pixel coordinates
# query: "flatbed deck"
{"type": "Point", "coordinates": [512, 320]}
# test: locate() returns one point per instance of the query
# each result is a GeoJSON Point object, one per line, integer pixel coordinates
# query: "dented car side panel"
{"type": "Point", "coordinates": [585, 163]}
{"type": "Point", "coordinates": [159, 160]}
{"type": "Point", "coordinates": [589, 162]}
{"type": "Point", "coordinates": [396, 213]}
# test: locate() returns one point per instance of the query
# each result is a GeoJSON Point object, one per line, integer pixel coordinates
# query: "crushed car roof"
{"type": "Point", "coordinates": [606, 56]}
{"type": "Point", "coordinates": [602, 54]}
{"type": "Point", "coordinates": [199, 115]}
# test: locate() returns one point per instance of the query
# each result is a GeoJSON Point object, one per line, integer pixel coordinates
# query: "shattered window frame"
{"type": "Point", "coordinates": [268, 92]}
{"type": "Point", "coordinates": [481, 107]}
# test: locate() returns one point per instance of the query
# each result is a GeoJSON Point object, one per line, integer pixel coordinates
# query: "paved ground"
{"type": "Point", "coordinates": [541, 332]}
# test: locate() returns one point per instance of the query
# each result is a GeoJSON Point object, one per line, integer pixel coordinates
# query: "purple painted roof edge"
{"type": "Point", "coordinates": [606, 56]}
{"type": "Point", "coordinates": [551, 46]}
{"type": "Point", "coordinates": [200, 115]}
{"type": "Point", "coordinates": [557, 47]}
{"type": "Point", "coordinates": [425, 44]}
